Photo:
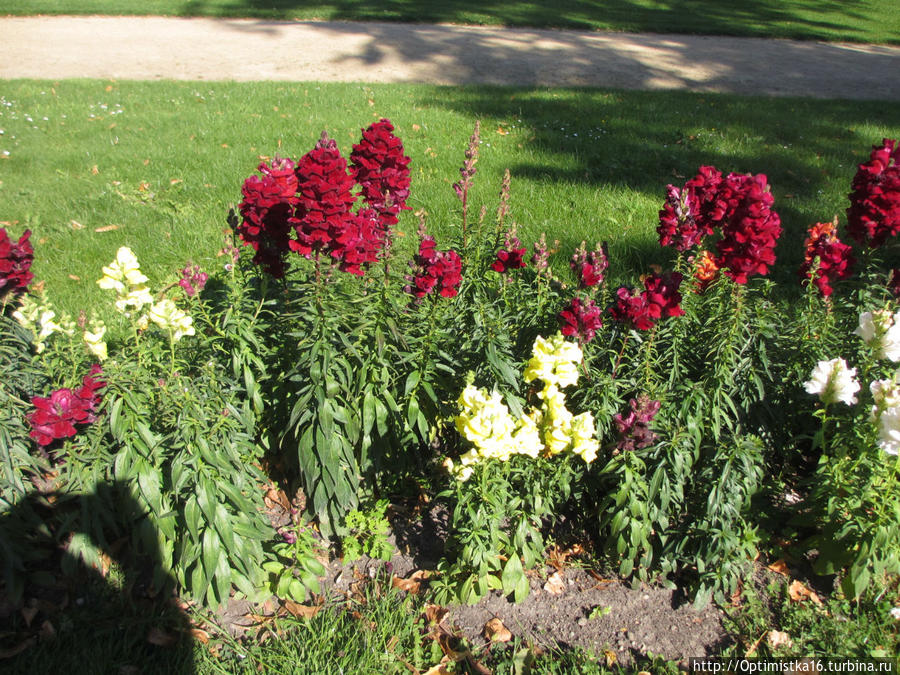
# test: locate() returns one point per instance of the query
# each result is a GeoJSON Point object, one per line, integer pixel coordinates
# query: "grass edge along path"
{"type": "Point", "coordinates": [869, 21]}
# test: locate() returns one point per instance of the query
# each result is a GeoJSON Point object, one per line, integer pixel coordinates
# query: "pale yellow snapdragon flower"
{"type": "Point", "coordinates": [554, 361]}
{"type": "Point", "coordinates": [167, 316]}
{"type": "Point", "coordinates": [93, 339]}
{"type": "Point", "coordinates": [124, 276]}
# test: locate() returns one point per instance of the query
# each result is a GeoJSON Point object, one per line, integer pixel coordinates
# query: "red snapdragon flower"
{"type": "Point", "coordinates": [378, 164]}
{"type": "Point", "coordinates": [15, 262]}
{"type": "Point", "coordinates": [193, 280]}
{"type": "Point", "coordinates": [433, 269]}
{"type": "Point", "coordinates": [750, 229]}
{"type": "Point", "coordinates": [581, 319]}
{"type": "Point", "coordinates": [589, 266]}
{"type": "Point", "coordinates": [739, 206]}
{"type": "Point", "coordinates": [55, 417]}
{"type": "Point", "coordinates": [835, 259]}
{"type": "Point", "coordinates": [874, 213]}
{"type": "Point", "coordinates": [893, 283]}
{"type": "Point", "coordinates": [660, 298]}
{"type": "Point", "coordinates": [267, 209]}
{"type": "Point", "coordinates": [634, 426]}
{"type": "Point", "coordinates": [359, 243]}
{"type": "Point", "coordinates": [691, 213]}
{"type": "Point", "coordinates": [510, 258]}
{"type": "Point", "coordinates": [324, 193]}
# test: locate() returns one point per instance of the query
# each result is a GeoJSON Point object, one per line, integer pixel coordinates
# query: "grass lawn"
{"type": "Point", "coordinates": [90, 166]}
{"type": "Point", "coordinates": [861, 21]}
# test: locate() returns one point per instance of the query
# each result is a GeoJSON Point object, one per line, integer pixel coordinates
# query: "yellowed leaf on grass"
{"type": "Point", "coordinates": [800, 592]}
{"type": "Point", "coordinates": [175, 181]}
{"type": "Point", "coordinates": [495, 631]}
{"type": "Point", "coordinates": [439, 669]}
{"type": "Point", "coordinates": [416, 127]}
{"type": "Point", "coordinates": [502, 131]}
{"type": "Point", "coordinates": [780, 567]}
{"type": "Point", "coordinates": [301, 611]}
{"type": "Point", "coordinates": [106, 228]}
{"type": "Point", "coordinates": [74, 277]}
{"type": "Point", "coordinates": [555, 584]}
{"type": "Point", "coordinates": [778, 639]}
{"type": "Point", "coordinates": [610, 657]}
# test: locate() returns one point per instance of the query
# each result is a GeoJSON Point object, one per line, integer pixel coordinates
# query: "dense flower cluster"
{"type": "Point", "coordinates": [660, 298]}
{"type": "Point", "coordinates": [267, 209]}
{"type": "Point", "coordinates": [510, 258]}
{"type": "Point", "coordinates": [434, 270]}
{"type": "Point", "coordinates": [93, 334]}
{"type": "Point", "coordinates": [886, 413]}
{"type": "Point", "coordinates": [378, 164]}
{"type": "Point", "coordinates": [485, 421]}
{"type": "Point", "coordinates": [833, 381]}
{"type": "Point", "coordinates": [40, 319]}
{"type": "Point", "coordinates": [124, 276]}
{"type": "Point", "coordinates": [55, 417]}
{"type": "Point", "coordinates": [307, 207]}
{"type": "Point", "coordinates": [634, 427]}
{"type": "Point", "coordinates": [589, 266]}
{"type": "Point", "coordinates": [193, 280]}
{"type": "Point", "coordinates": [581, 320]}
{"type": "Point", "coordinates": [880, 330]}
{"type": "Point", "coordinates": [829, 256]}
{"type": "Point", "coordinates": [737, 205]}
{"type": "Point", "coordinates": [874, 213]}
{"type": "Point", "coordinates": [167, 316]}
{"type": "Point", "coordinates": [15, 263]}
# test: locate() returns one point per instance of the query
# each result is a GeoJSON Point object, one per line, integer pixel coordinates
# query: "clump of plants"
{"type": "Point", "coordinates": [653, 415]}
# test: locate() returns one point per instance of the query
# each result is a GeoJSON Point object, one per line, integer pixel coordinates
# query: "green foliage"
{"type": "Point", "coordinates": [367, 533]}
{"type": "Point", "coordinates": [498, 522]}
{"type": "Point", "coordinates": [295, 568]}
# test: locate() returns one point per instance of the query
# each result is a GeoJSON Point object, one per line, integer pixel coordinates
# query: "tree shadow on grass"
{"type": "Point", "coordinates": [60, 614]}
{"type": "Point", "coordinates": [763, 18]}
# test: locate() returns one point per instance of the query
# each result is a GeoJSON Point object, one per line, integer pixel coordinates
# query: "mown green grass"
{"type": "Point", "coordinates": [96, 165]}
{"type": "Point", "coordinates": [862, 21]}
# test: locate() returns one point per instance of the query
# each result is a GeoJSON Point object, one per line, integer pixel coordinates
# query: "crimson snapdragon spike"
{"type": "Point", "coordinates": [434, 270]}
{"type": "Point", "coordinates": [267, 209]}
{"type": "Point", "coordinates": [874, 213]}
{"type": "Point", "coordinates": [15, 263]}
{"type": "Point", "coordinates": [738, 206]}
{"type": "Point", "coordinates": [589, 266]}
{"type": "Point", "coordinates": [660, 298]}
{"type": "Point", "coordinates": [325, 197]}
{"type": "Point", "coordinates": [581, 320]}
{"type": "Point", "coordinates": [634, 427]}
{"type": "Point", "coordinates": [55, 417]}
{"type": "Point", "coordinates": [381, 168]}
{"type": "Point", "coordinates": [824, 252]}
{"type": "Point", "coordinates": [510, 258]}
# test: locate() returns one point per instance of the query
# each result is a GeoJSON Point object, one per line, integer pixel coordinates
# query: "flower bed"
{"type": "Point", "coordinates": [656, 417]}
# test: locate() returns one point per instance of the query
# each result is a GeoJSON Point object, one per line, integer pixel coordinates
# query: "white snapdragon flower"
{"type": "Point", "coordinates": [889, 431]}
{"type": "Point", "coordinates": [881, 331]}
{"type": "Point", "coordinates": [833, 381]}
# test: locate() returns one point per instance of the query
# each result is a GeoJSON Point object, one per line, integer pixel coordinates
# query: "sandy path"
{"type": "Point", "coordinates": [151, 48]}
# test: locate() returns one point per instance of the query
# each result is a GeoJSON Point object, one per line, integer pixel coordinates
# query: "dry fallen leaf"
{"type": "Point", "coordinates": [200, 635]}
{"type": "Point", "coordinates": [74, 277]}
{"type": "Point", "coordinates": [495, 631]}
{"type": "Point", "coordinates": [435, 613]}
{"type": "Point", "coordinates": [780, 567]}
{"type": "Point", "coordinates": [160, 638]}
{"type": "Point", "coordinates": [502, 131]}
{"type": "Point", "coordinates": [800, 592]}
{"type": "Point", "coordinates": [555, 584]}
{"type": "Point", "coordinates": [610, 657]}
{"type": "Point", "coordinates": [777, 639]}
{"type": "Point", "coordinates": [106, 228]}
{"type": "Point", "coordinates": [301, 611]}
{"type": "Point", "coordinates": [439, 669]}
{"type": "Point", "coordinates": [416, 127]}
{"type": "Point", "coordinates": [175, 181]}
{"type": "Point", "coordinates": [275, 497]}
{"type": "Point", "coordinates": [413, 583]}
{"type": "Point", "coordinates": [752, 649]}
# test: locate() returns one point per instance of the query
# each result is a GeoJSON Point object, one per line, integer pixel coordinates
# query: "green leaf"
{"type": "Point", "coordinates": [411, 381]}
{"type": "Point", "coordinates": [512, 573]}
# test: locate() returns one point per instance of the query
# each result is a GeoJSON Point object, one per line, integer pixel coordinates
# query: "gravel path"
{"type": "Point", "coordinates": [152, 48]}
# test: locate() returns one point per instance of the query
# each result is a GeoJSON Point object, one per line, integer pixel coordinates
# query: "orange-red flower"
{"type": "Point", "coordinates": [824, 252]}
